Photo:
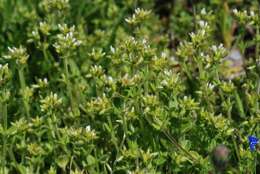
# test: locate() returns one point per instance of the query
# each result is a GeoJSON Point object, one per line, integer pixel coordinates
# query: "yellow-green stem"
{"type": "Point", "coordinates": [4, 117]}
{"type": "Point", "coordinates": [69, 88]}
{"type": "Point", "coordinates": [173, 141]}
{"type": "Point", "coordinates": [240, 105]}
{"type": "Point", "coordinates": [257, 59]}
{"type": "Point", "coordinates": [233, 139]}
{"type": "Point", "coordinates": [23, 88]}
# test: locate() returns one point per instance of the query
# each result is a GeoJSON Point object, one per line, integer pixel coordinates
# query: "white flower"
{"type": "Point", "coordinates": [42, 24]}
{"type": "Point", "coordinates": [235, 11]}
{"type": "Point", "coordinates": [137, 10]}
{"type": "Point", "coordinates": [163, 54]}
{"type": "Point", "coordinates": [203, 32]}
{"type": "Point", "coordinates": [203, 24]}
{"type": "Point", "coordinates": [192, 34]}
{"type": "Point", "coordinates": [210, 86]}
{"type": "Point", "coordinates": [164, 83]}
{"type": "Point", "coordinates": [112, 49]}
{"type": "Point", "coordinates": [34, 33]}
{"type": "Point", "coordinates": [252, 13]}
{"type": "Point", "coordinates": [214, 48]}
{"type": "Point", "coordinates": [45, 80]}
{"type": "Point", "coordinates": [144, 41]}
{"type": "Point", "coordinates": [203, 11]}
{"type": "Point", "coordinates": [167, 72]}
{"type": "Point", "coordinates": [88, 128]}
{"type": "Point", "coordinates": [110, 79]}
{"type": "Point", "coordinates": [11, 49]}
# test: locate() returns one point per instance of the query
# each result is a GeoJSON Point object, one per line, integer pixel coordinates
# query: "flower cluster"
{"type": "Point", "coordinates": [66, 40]}
{"type": "Point", "coordinates": [138, 16]}
{"type": "Point", "coordinates": [19, 55]}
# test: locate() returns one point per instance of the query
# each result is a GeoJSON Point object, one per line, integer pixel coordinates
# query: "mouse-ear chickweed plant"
{"type": "Point", "coordinates": [126, 87]}
{"type": "Point", "coordinates": [19, 58]}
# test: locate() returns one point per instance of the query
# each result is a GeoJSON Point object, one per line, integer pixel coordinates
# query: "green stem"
{"type": "Point", "coordinates": [173, 141]}
{"type": "Point", "coordinates": [257, 45]}
{"type": "Point", "coordinates": [226, 25]}
{"type": "Point", "coordinates": [119, 21]}
{"type": "Point", "coordinates": [11, 153]}
{"type": "Point", "coordinates": [113, 136]}
{"type": "Point", "coordinates": [69, 88]}
{"type": "Point", "coordinates": [257, 61]}
{"type": "Point", "coordinates": [45, 56]}
{"type": "Point", "coordinates": [4, 112]}
{"type": "Point", "coordinates": [239, 105]}
{"type": "Point", "coordinates": [233, 139]}
{"type": "Point", "coordinates": [4, 116]}
{"type": "Point", "coordinates": [23, 89]}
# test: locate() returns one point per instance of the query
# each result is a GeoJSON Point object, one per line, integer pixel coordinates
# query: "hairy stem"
{"type": "Point", "coordinates": [69, 87]}
{"type": "Point", "coordinates": [173, 141]}
{"type": "Point", "coordinates": [4, 117]}
{"type": "Point", "coordinates": [240, 105]}
{"type": "Point", "coordinates": [23, 88]}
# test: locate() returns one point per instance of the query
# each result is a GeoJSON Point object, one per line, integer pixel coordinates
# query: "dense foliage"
{"type": "Point", "coordinates": [129, 86]}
